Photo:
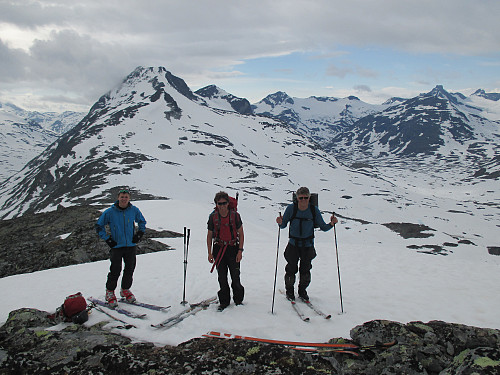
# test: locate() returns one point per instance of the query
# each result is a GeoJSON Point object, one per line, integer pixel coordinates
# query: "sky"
{"type": "Point", "coordinates": [57, 55]}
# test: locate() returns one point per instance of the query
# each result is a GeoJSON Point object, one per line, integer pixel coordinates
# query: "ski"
{"type": "Point", "coordinates": [299, 344]}
{"type": "Point", "coordinates": [118, 309]}
{"type": "Point", "coordinates": [125, 324]}
{"type": "Point", "coordinates": [321, 351]}
{"type": "Point", "coordinates": [191, 310]}
{"type": "Point", "coordinates": [146, 305]}
{"type": "Point", "coordinates": [315, 309]}
{"type": "Point", "coordinates": [296, 308]}
{"type": "Point", "coordinates": [305, 346]}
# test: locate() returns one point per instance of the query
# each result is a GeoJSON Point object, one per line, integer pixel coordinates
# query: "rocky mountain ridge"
{"type": "Point", "coordinates": [443, 129]}
{"type": "Point", "coordinates": [154, 121]}
{"type": "Point", "coordinates": [349, 129]}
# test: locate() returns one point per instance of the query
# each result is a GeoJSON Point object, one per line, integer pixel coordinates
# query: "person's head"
{"type": "Point", "coordinates": [222, 200]}
{"type": "Point", "coordinates": [123, 198]}
{"type": "Point", "coordinates": [303, 196]}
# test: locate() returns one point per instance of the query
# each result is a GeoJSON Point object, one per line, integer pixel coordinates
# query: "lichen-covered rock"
{"type": "Point", "coordinates": [28, 345]}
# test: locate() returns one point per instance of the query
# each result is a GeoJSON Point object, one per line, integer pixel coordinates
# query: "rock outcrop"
{"type": "Point", "coordinates": [28, 345]}
{"type": "Point", "coordinates": [60, 238]}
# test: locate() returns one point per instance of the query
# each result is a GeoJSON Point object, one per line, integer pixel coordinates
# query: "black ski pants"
{"type": "Point", "coordinates": [228, 263]}
{"type": "Point", "coordinates": [128, 255]}
{"type": "Point", "coordinates": [294, 255]}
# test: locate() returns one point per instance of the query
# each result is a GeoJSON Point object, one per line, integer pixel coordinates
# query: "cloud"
{"type": "Point", "coordinates": [336, 71]}
{"type": "Point", "coordinates": [85, 48]}
{"type": "Point", "coordinates": [13, 61]}
{"type": "Point", "coordinates": [362, 88]}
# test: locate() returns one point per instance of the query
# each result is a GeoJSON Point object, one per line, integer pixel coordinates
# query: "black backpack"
{"type": "Point", "coordinates": [313, 202]}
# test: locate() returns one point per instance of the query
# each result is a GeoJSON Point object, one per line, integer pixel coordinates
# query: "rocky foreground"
{"type": "Point", "coordinates": [29, 346]}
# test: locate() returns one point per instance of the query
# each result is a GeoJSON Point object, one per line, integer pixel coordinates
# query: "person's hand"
{"type": "Point", "coordinates": [111, 242]}
{"type": "Point", "coordinates": [210, 258]}
{"type": "Point", "coordinates": [137, 237]}
{"type": "Point", "coordinates": [239, 256]}
{"type": "Point", "coordinates": [279, 219]}
{"type": "Point", "coordinates": [333, 220]}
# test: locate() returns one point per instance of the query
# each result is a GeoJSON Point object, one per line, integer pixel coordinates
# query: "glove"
{"type": "Point", "coordinates": [137, 237]}
{"type": "Point", "coordinates": [111, 242]}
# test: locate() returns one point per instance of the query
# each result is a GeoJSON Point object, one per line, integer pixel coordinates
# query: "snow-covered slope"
{"type": "Point", "coordinates": [380, 279]}
{"type": "Point", "coordinates": [152, 132]}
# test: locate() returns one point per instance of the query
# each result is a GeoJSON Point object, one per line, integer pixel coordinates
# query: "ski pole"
{"type": "Point", "coordinates": [338, 267]}
{"type": "Point", "coordinates": [276, 267]}
{"type": "Point", "coordinates": [186, 244]}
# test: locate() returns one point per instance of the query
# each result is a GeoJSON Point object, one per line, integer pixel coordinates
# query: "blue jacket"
{"type": "Point", "coordinates": [307, 232]}
{"type": "Point", "coordinates": [121, 224]}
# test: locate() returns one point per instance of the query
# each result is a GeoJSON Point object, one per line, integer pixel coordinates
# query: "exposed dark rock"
{"type": "Point", "coordinates": [494, 250]}
{"type": "Point", "coordinates": [28, 346]}
{"type": "Point", "coordinates": [60, 238]}
{"type": "Point", "coordinates": [410, 230]}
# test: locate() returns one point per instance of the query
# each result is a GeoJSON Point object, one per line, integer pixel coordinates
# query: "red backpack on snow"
{"type": "Point", "coordinates": [74, 309]}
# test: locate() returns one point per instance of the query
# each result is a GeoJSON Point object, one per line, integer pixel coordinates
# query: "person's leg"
{"type": "Point", "coordinates": [234, 269]}
{"type": "Point", "coordinates": [130, 260]}
{"type": "Point", "coordinates": [222, 269]}
{"type": "Point", "coordinates": [291, 268]}
{"type": "Point", "coordinates": [307, 254]}
{"type": "Point", "coordinates": [115, 256]}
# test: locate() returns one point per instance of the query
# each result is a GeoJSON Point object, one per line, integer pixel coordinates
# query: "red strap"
{"type": "Point", "coordinates": [220, 254]}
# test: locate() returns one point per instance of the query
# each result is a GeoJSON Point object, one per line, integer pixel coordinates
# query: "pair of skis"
{"type": "Point", "coordinates": [188, 311]}
{"type": "Point", "coordinates": [308, 303]}
{"type": "Point", "coordinates": [119, 309]}
{"type": "Point", "coordinates": [315, 347]}
{"type": "Point", "coordinates": [167, 323]}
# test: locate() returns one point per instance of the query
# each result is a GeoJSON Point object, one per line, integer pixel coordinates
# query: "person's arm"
{"type": "Point", "coordinates": [100, 226]}
{"type": "Point", "coordinates": [241, 236]}
{"type": "Point", "coordinates": [321, 222]}
{"type": "Point", "coordinates": [285, 218]}
{"type": "Point", "coordinates": [141, 221]}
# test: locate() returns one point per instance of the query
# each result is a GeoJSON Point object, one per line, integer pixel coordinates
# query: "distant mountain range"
{"type": "Point", "coordinates": [446, 129]}
{"type": "Point", "coordinates": [153, 121]}
{"type": "Point", "coordinates": [25, 134]}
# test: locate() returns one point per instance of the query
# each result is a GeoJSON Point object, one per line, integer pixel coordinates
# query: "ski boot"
{"type": "Point", "coordinates": [111, 298]}
{"type": "Point", "coordinates": [127, 294]}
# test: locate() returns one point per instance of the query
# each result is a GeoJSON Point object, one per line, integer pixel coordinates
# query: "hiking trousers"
{"type": "Point", "coordinates": [228, 264]}
{"type": "Point", "coordinates": [294, 255]}
{"type": "Point", "coordinates": [128, 255]}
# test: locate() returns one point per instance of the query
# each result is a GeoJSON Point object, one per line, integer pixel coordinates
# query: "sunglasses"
{"type": "Point", "coordinates": [221, 203]}
{"type": "Point", "coordinates": [303, 198]}
{"type": "Point", "coordinates": [124, 191]}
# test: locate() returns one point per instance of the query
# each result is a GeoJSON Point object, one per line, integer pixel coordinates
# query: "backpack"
{"type": "Point", "coordinates": [74, 309]}
{"type": "Point", "coordinates": [233, 213]}
{"type": "Point", "coordinates": [313, 202]}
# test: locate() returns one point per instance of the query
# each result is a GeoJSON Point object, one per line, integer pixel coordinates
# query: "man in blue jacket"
{"type": "Point", "coordinates": [302, 217]}
{"type": "Point", "coordinates": [121, 218]}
